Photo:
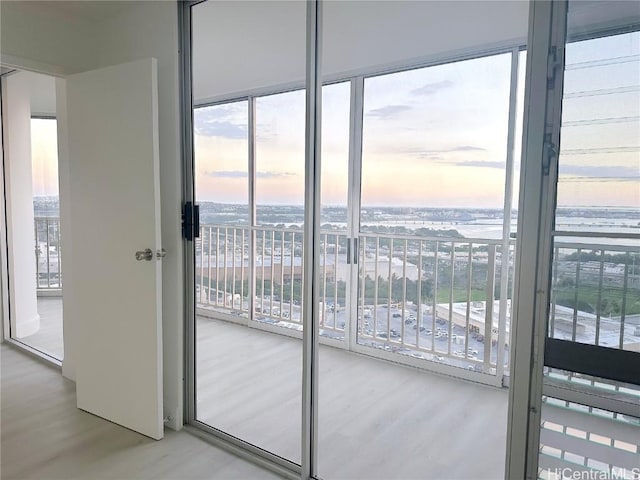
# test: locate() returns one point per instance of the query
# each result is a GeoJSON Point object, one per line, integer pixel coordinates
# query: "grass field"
{"type": "Point", "coordinates": [610, 299]}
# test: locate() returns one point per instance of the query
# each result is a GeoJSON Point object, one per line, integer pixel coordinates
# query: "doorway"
{"type": "Point", "coordinates": [32, 213]}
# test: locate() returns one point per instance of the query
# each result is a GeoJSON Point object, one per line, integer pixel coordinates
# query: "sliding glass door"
{"type": "Point", "coordinates": [375, 336]}
{"type": "Point", "coordinates": [590, 425]}
{"type": "Point", "coordinates": [249, 164]}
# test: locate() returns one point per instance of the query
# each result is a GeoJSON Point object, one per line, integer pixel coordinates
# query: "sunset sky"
{"type": "Point", "coordinates": [44, 154]}
{"type": "Point", "coordinates": [436, 136]}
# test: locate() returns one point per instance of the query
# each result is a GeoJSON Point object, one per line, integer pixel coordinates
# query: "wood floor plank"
{"type": "Point", "coordinates": [45, 437]}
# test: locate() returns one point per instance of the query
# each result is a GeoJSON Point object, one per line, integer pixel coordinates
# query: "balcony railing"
{"type": "Point", "coordinates": [595, 296]}
{"type": "Point", "coordinates": [48, 253]}
{"type": "Point", "coordinates": [432, 298]}
{"type": "Point", "coordinates": [444, 299]}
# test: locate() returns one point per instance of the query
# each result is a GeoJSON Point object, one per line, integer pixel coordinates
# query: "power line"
{"type": "Point", "coordinates": [603, 91]}
{"type": "Point", "coordinates": [600, 121]}
{"type": "Point", "coordinates": [587, 151]}
{"type": "Point", "coordinates": [604, 62]}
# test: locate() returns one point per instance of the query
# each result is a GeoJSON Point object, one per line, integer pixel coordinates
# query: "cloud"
{"type": "Point", "coordinates": [209, 128]}
{"type": "Point", "coordinates": [467, 148]}
{"type": "Point", "coordinates": [388, 111]}
{"type": "Point", "coordinates": [241, 174]}
{"type": "Point", "coordinates": [225, 174]}
{"type": "Point", "coordinates": [432, 88]}
{"type": "Point", "coordinates": [477, 163]}
{"type": "Point", "coordinates": [221, 121]}
{"type": "Point", "coordinates": [274, 174]}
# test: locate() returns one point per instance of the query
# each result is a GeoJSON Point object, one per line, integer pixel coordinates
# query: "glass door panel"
{"type": "Point", "coordinates": [249, 182]}
{"type": "Point", "coordinates": [589, 425]}
{"type": "Point", "coordinates": [431, 259]}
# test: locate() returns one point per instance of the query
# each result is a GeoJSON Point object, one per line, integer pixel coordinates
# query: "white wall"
{"type": "Point", "coordinates": [248, 45]}
{"type": "Point", "coordinates": [42, 90]}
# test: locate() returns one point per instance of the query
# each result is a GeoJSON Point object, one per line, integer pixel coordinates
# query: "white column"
{"type": "Point", "coordinates": [23, 301]}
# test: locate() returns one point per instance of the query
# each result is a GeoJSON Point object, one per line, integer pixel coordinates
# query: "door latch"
{"type": "Point", "coordinates": [146, 255]}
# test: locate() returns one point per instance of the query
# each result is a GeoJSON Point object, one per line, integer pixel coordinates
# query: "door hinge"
{"type": "Point", "coordinates": [550, 154]}
{"type": "Point", "coordinates": [190, 221]}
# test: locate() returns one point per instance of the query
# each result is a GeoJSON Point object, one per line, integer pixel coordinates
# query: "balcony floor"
{"type": "Point", "coordinates": [377, 419]}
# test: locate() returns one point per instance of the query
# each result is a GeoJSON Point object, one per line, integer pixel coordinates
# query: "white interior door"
{"type": "Point", "coordinates": [114, 210]}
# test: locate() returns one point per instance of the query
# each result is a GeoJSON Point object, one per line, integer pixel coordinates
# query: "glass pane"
{"type": "Point", "coordinates": [428, 287]}
{"type": "Point", "coordinates": [221, 163]}
{"type": "Point", "coordinates": [589, 426]}
{"type": "Point", "coordinates": [595, 294]}
{"type": "Point", "coordinates": [280, 125]}
{"type": "Point", "coordinates": [599, 170]}
{"type": "Point", "coordinates": [334, 272]}
{"type": "Point", "coordinates": [428, 295]}
{"type": "Point", "coordinates": [221, 183]}
{"type": "Point", "coordinates": [335, 155]}
{"type": "Point", "coordinates": [248, 371]}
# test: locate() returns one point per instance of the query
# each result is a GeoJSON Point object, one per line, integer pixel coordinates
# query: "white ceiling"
{"type": "Point", "coordinates": [246, 46]}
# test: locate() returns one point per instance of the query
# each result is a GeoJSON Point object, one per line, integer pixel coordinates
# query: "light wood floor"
{"type": "Point", "coordinates": [45, 437]}
{"type": "Point", "coordinates": [377, 420]}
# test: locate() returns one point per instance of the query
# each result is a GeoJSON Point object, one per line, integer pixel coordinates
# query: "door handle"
{"type": "Point", "coordinates": [146, 254]}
